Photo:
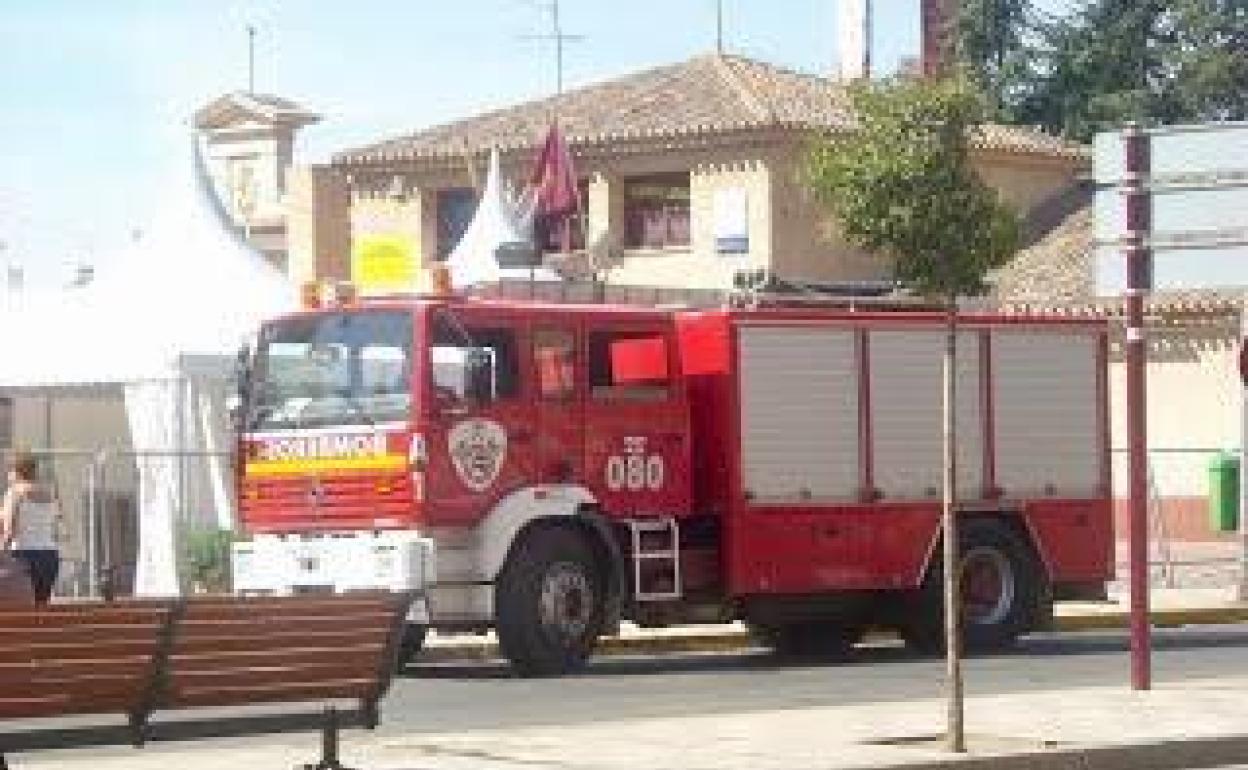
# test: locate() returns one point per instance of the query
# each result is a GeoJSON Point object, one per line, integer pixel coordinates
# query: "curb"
{"type": "Point", "coordinates": [1176, 754]}
{"type": "Point", "coordinates": [732, 641]}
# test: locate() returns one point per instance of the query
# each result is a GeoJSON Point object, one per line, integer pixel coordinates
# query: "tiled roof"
{"type": "Point", "coordinates": [1055, 275]}
{"type": "Point", "coordinates": [707, 94]}
{"type": "Point", "coordinates": [1056, 268]}
{"type": "Point", "coordinates": [239, 105]}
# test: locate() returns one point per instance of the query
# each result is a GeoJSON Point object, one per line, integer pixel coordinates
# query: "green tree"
{"type": "Point", "coordinates": [902, 185]}
{"type": "Point", "coordinates": [1151, 61]}
{"type": "Point", "coordinates": [993, 41]}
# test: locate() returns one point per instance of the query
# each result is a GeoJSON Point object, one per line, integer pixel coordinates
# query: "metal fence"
{"type": "Point", "coordinates": [99, 492]}
{"type": "Point", "coordinates": [1186, 550]}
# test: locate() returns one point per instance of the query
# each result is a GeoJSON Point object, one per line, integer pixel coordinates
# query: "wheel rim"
{"type": "Point", "coordinates": [988, 588]}
{"type": "Point", "coordinates": [567, 601]}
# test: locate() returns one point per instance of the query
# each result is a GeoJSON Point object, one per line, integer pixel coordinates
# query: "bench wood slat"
{"type": "Point", "coordinates": [130, 668]}
{"type": "Point", "coordinates": [246, 680]}
{"type": "Point", "coordinates": [51, 651]}
{"type": "Point", "coordinates": [345, 689]}
{"type": "Point", "coordinates": [218, 661]}
{"type": "Point", "coordinates": [261, 627]}
{"type": "Point", "coordinates": [79, 617]}
{"type": "Point", "coordinates": [292, 640]}
{"type": "Point", "coordinates": [59, 705]}
{"type": "Point", "coordinates": [245, 609]}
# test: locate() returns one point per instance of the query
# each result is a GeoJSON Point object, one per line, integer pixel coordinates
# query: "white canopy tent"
{"type": "Point", "coordinates": [500, 219]}
{"type": "Point", "coordinates": [160, 325]}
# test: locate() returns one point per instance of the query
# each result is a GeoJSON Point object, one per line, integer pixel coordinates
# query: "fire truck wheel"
{"type": "Point", "coordinates": [1002, 592]}
{"type": "Point", "coordinates": [550, 603]}
{"type": "Point", "coordinates": [411, 643]}
{"type": "Point", "coordinates": [824, 639]}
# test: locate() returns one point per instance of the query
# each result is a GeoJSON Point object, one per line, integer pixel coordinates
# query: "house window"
{"type": "Point", "coordinates": [455, 208]}
{"type": "Point", "coordinates": [656, 211]}
{"type": "Point", "coordinates": [552, 236]}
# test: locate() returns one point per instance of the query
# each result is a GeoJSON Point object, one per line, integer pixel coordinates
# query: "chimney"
{"type": "Point", "coordinates": [938, 17]}
{"type": "Point", "coordinates": [855, 49]}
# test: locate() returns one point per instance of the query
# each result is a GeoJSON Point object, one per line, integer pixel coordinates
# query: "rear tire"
{"type": "Point", "coordinates": [1002, 586]}
{"type": "Point", "coordinates": [550, 602]}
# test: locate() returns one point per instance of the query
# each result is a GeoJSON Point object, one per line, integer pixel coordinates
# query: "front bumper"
{"type": "Point", "coordinates": [394, 560]}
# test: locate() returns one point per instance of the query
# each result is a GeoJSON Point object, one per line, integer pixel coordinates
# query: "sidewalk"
{"type": "Point", "coordinates": [1177, 725]}
{"type": "Point", "coordinates": [1170, 607]}
{"type": "Point", "coordinates": [1186, 723]}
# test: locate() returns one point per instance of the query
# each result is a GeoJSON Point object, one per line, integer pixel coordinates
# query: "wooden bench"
{"type": "Point", "coordinates": [139, 659]}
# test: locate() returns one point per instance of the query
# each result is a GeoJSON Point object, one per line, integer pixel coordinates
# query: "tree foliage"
{"type": "Point", "coordinates": [1108, 62]}
{"type": "Point", "coordinates": [902, 184]}
{"type": "Point", "coordinates": [993, 41]}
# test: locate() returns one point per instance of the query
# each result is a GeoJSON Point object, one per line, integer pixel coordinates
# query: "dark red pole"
{"type": "Point", "coordinates": [1139, 280]}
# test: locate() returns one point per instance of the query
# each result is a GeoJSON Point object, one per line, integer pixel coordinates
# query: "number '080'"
{"type": "Point", "coordinates": [635, 472]}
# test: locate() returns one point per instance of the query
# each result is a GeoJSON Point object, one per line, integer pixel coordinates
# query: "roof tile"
{"type": "Point", "coordinates": [706, 94]}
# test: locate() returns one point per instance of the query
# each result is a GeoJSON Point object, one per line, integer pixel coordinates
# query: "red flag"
{"type": "Point", "coordinates": [554, 179]}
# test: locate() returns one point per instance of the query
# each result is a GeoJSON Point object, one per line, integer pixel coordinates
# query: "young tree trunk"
{"type": "Point", "coordinates": [954, 734]}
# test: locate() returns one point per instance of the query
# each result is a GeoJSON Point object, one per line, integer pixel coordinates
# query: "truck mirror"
{"type": "Point", "coordinates": [237, 403]}
{"type": "Point", "coordinates": [479, 375]}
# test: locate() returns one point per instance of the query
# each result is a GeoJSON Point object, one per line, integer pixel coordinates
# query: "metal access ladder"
{"type": "Point", "coordinates": [666, 553]}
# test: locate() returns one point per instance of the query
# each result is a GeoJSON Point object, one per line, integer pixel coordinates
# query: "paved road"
{"type": "Point", "coordinates": [480, 696]}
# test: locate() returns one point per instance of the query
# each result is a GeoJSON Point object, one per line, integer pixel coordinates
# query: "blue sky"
{"type": "Point", "coordinates": [95, 94]}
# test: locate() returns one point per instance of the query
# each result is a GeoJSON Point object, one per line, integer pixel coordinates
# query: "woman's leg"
{"type": "Point", "coordinates": [43, 567]}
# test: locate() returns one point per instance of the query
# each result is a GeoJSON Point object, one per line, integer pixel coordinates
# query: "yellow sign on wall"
{"type": "Point", "coordinates": [383, 263]}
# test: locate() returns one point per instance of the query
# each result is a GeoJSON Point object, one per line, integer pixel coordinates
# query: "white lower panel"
{"type": "Point", "coordinates": [394, 561]}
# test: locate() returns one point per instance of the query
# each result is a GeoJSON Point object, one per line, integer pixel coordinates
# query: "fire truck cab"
{"type": "Point", "coordinates": [548, 470]}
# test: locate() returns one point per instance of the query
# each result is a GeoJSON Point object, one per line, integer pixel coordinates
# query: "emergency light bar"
{"type": "Point", "coordinates": [314, 295]}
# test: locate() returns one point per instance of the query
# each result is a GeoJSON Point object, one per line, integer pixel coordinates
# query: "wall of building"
{"type": "Point", "coordinates": [1194, 410]}
{"type": "Point", "coordinates": [1026, 182]}
{"type": "Point", "coordinates": [701, 265]}
{"type": "Point", "coordinates": [318, 206]}
{"type": "Point", "coordinates": [809, 243]}
{"type": "Point", "coordinates": [790, 231]}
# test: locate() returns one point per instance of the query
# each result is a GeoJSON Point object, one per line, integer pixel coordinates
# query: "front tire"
{"type": "Point", "coordinates": [1002, 592]}
{"type": "Point", "coordinates": [550, 603]}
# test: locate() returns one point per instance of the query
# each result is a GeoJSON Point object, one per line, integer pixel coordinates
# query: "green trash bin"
{"type": "Point", "coordinates": [1224, 492]}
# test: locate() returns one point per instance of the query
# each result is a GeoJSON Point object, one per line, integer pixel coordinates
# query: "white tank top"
{"type": "Point", "coordinates": [35, 528]}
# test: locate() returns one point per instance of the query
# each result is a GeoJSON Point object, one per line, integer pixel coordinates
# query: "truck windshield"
{"type": "Point", "coordinates": [350, 368]}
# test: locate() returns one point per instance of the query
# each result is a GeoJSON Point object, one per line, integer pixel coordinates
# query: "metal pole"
{"type": "Point", "coordinates": [1242, 590]}
{"type": "Point", "coordinates": [955, 736]}
{"type": "Point", "coordinates": [251, 59]}
{"type": "Point", "coordinates": [93, 536]}
{"type": "Point", "coordinates": [554, 10]}
{"type": "Point", "coordinates": [719, 26]}
{"type": "Point", "coordinates": [1139, 279]}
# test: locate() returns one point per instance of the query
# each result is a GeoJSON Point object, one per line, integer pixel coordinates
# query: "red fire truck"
{"type": "Point", "coordinates": [548, 470]}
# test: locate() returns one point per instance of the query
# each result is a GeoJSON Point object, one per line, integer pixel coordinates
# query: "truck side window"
{"type": "Point", "coordinates": [449, 352]}
{"type": "Point", "coordinates": [554, 359]}
{"type": "Point", "coordinates": [628, 366]}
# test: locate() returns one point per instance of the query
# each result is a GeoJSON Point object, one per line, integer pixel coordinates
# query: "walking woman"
{"type": "Point", "coordinates": [29, 520]}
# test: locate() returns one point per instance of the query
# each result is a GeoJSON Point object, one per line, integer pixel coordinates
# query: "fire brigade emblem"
{"type": "Point", "coordinates": [478, 448]}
